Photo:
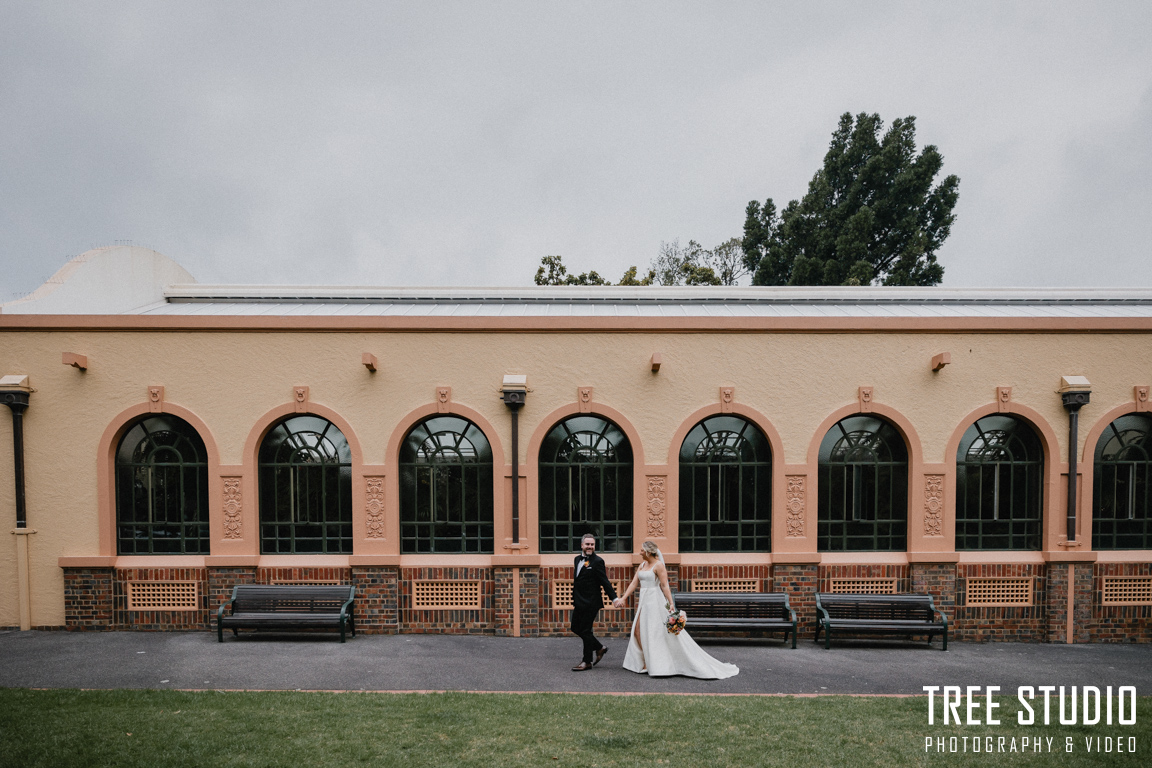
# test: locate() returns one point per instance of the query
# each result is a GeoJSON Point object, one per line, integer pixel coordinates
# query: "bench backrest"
{"type": "Point", "coordinates": [734, 605]}
{"type": "Point", "coordinates": [901, 607]}
{"type": "Point", "coordinates": [290, 598]}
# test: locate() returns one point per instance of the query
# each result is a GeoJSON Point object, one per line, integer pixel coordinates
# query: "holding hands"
{"type": "Point", "coordinates": [618, 602]}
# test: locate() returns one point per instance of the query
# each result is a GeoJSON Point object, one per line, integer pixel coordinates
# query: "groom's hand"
{"type": "Point", "coordinates": [618, 603]}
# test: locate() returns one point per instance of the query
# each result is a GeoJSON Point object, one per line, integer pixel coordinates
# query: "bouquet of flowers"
{"type": "Point", "coordinates": [676, 621]}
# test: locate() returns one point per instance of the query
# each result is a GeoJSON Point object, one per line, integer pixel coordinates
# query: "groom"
{"type": "Point", "coordinates": [591, 575]}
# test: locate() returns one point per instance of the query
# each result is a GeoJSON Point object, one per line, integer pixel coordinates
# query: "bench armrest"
{"type": "Point", "coordinates": [943, 618]}
{"type": "Point", "coordinates": [220, 610]}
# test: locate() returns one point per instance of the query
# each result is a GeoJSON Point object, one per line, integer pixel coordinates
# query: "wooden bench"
{"type": "Point", "coordinates": [739, 611]}
{"type": "Point", "coordinates": [904, 614]}
{"type": "Point", "coordinates": [288, 606]}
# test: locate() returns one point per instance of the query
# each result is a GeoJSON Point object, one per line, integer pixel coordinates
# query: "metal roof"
{"type": "Point", "coordinates": [648, 301]}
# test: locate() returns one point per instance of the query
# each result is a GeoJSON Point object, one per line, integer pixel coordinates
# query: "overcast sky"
{"type": "Point", "coordinates": [456, 144]}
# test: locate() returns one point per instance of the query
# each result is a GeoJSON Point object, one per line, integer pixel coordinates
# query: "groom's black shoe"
{"type": "Point", "coordinates": [582, 667]}
{"type": "Point", "coordinates": [600, 655]}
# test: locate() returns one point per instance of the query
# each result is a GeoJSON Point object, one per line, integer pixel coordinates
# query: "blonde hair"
{"type": "Point", "coordinates": [651, 548]}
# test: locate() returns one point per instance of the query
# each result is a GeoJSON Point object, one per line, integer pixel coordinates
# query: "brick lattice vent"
{"type": "Point", "coordinates": [1126, 590]}
{"type": "Point", "coordinates": [562, 595]}
{"type": "Point", "coordinates": [163, 595]}
{"type": "Point", "coordinates": [443, 595]}
{"type": "Point", "coordinates": [882, 586]}
{"type": "Point", "coordinates": [725, 585]}
{"type": "Point", "coordinates": [1016, 591]}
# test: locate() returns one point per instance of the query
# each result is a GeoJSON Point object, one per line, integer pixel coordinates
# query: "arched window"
{"type": "Point", "coordinates": [305, 488]}
{"type": "Point", "coordinates": [1122, 505]}
{"type": "Point", "coordinates": [863, 496]}
{"type": "Point", "coordinates": [161, 489]}
{"type": "Point", "coordinates": [999, 476]}
{"type": "Point", "coordinates": [585, 486]}
{"type": "Point", "coordinates": [725, 487]}
{"type": "Point", "coordinates": [445, 488]}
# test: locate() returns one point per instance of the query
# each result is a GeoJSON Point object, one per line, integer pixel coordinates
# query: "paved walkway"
{"type": "Point", "coordinates": [194, 660]}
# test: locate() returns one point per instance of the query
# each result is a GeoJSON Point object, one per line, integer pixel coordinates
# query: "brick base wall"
{"type": "Point", "coordinates": [87, 598]}
{"type": "Point", "coordinates": [800, 581]}
{"type": "Point", "coordinates": [377, 599]}
{"type": "Point", "coordinates": [1119, 623]}
{"type": "Point", "coordinates": [123, 619]}
{"type": "Point", "coordinates": [470, 622]}
{"type": "Point", "coordinates": [1002, 624]}
{"type": "Point", "coordinates": [96, 598]}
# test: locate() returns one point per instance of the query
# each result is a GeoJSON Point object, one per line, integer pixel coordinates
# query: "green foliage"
{"type": "Point", "coordinates": [553, 272]}
{"type": "Point", "coordinates": [630, 278]}
{"type": "Point", "coordinates": [871, 214]}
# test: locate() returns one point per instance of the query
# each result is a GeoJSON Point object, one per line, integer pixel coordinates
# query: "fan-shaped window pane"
{"type": "Point", "coordinates": [999, 477]}
{"type": "Point", "coordinates": [305, 488]}
{"type": "Point", "coordinates": [585, 486]}
{"type": "Point", "coordinates": [1122, 501]}
{"type": "Point", "coordinates": [725, 487]}
{"type": "Point", "coordinates": [161, 489]}
{"type": "Point", "coordinates": [863, 487]}
{"type": "Point", "coordinates": [446, 488]}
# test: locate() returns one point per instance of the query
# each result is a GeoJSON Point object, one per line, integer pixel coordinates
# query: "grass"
{"type": "Point", "coordinates": [173, 728]}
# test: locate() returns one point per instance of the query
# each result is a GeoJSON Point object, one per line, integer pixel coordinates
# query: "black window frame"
{"type": "Point", "coordinates": [1121, 487]}
{"type": "Point", "coordinates": [450, 457]}
{"type": "Point", "coordinates": [161, 488]}
{"type": "Point", "coordinates": [862, 496]}
{"type": "Point", "coordinates": [725, 487]}
{"type": "Point", "coordinates": [1000, 467]}
{"type": "Point", "coordinates": [304, 474]}
{"type": "Point", "coordinates": [595, 452]}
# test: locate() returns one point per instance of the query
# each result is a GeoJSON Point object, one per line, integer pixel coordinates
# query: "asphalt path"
{"type": "Point", "coordinates": [195, 660]}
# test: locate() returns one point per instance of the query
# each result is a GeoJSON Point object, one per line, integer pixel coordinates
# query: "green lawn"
{"type": "Point", "coordinates": [172, 728]}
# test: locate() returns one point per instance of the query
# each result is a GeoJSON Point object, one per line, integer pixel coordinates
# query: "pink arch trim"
{"type": "Point", "coordinates": [265, 422]}
{"type": "Point", "coordinates": [1048, 439]}
{"type": "Point", "coordinates": [106, 463]}
{"type": "Point", "coordinates": [1098, 427]}
{"type": "Point", "coordinates": [573, 409]}
{"type": "Point", "coordinates": [737, 409]}
{"type": "Point", "coordinates": [413, 417]}
{"type": "Point", "coordinates": [887, 413]}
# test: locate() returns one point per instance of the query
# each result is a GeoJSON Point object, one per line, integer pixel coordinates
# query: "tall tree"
{"type": "Point", "coordinates": [871, 214]}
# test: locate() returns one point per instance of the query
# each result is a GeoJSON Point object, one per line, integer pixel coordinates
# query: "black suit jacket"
{"type": "Point", "coordinates": [586, 586]}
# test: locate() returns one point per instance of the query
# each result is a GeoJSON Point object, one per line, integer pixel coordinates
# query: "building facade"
{"type": "Point", "coordinates": [180, 439]}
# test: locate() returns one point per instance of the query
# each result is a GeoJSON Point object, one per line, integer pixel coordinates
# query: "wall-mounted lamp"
{"type": "Point", "coordinates": [941, 360]}
{"type": "Point", "coordinates": [368, 360]}
{"type": "Point", "coordinates": [656, 361]}
{"type": "Point", "coordinates": [14, 392]}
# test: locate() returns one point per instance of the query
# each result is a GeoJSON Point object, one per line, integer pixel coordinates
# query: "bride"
{"type": "Point", "coordinates": [651, 647]}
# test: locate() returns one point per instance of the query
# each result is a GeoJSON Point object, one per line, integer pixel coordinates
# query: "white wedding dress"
{"type": "Point", "coordinates": [660, 653]}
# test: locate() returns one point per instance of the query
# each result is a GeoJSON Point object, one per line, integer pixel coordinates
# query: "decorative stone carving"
{"type": "Point", "coordinates": [657, 504]}
{"type": "Point", "coordinates": [155, 399]}
{"type": "Point", "coordinates": [233, 508]}
{"type": "Point", "coordinates": [1141, 395]}
{"type": "Point", "coordinates": [865, 396]}
{"type": "Point", "coordinates": [1003, 399]}
{"type": "Point", "coordinates": [443, 399]}
{"type": "Point", "coordinates": [374, 505]}
{"type": "Point", "coordinates": [584, 398]}
{"type": "Point", "coordinates": [795, 504]}
{"type": "Point", "coordinates": [933, 505]}
{"type": "Point", "coordinates": [727, 397]}
{"type": "Point", "coordinates": [300, 398]}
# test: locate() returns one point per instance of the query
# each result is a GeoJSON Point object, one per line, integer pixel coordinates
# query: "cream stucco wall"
{"type": "Point", "coordinates": [230, 379]}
